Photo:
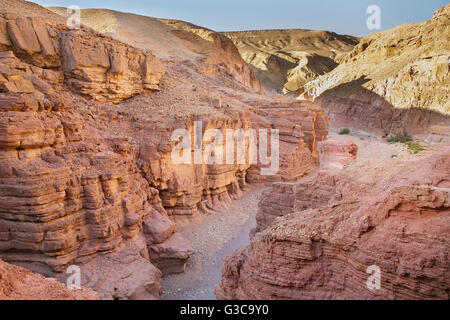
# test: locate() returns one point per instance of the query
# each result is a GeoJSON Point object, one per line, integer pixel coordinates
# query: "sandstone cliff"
{"type": "Point", "coordinates": [317, 238]}
{"type": "Point", "coordinates": [284, 60]}
{"type": "Point", "coordinates": [392, 80]}
{"type": "Point", "coordinates": [108, 70]}
{"type": "Point", "coordinates": [85, 150]}
{"type": "Point", "coordinates": [170, 40]}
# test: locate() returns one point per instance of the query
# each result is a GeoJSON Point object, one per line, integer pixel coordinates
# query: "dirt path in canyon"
{"type": "Point", "coordinates": [218, 235]}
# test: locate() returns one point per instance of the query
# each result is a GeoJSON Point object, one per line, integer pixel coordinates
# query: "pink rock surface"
{"type": "Point", "coordinates": [384, 216]}
{"type": "Point", "coordinates": [335, 154]}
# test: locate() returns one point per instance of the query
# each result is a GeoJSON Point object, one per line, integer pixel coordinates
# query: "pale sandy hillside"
{"type": "Point", "coordinates": [28, 9]}
{"type": "Point", "coordinates": [171, 40]}
{"type": "Point", "coordinates": [284, 60]}
{"type": "Point", "coordinates": [392, 80]}
{"type": "Point", "coordinates": [142, 32]}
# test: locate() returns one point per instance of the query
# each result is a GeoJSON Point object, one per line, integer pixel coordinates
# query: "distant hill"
{"type": "Point", "coordinates": [284, 60]}
{"type": "Point", "coordinates": [392, 80]}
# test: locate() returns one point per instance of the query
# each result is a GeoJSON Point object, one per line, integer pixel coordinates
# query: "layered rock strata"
{"type": "Point", "coordinates": [87, 177]}
{"type": "Point", "coordinates": [333, 230]}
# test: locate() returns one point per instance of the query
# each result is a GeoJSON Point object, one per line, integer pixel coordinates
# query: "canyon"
{"type": "Point", "coordinates": [87, 177]}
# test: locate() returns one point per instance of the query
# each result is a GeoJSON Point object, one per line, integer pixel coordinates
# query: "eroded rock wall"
{"type": "Point", "coordinates": [321, 248]}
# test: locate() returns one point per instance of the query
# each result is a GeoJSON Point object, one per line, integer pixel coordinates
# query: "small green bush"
{"type": "Point", "coordinates": [403, 137]}
{"type": "Point", "coordinates": [344, 131]}
{"type": "Point", "coordinates": [414, 147]}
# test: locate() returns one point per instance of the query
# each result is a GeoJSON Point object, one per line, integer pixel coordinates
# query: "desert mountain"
{"type": "Point", "coordinates": [284, 60]}
{"type": "Point", "coordinates": [171, 40]}
{"type": "Point", "coordinates": [392, 80]}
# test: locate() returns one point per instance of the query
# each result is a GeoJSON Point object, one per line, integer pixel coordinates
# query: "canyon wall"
{"type": "Point", "coordinates": [67, 194]}
{"type": "Point", "coordinates": [316, 238]}
{"type": "Point", "coordinates": [392, 80]}
{"type": "Point", "coordinates": [172, 40]}
{"type": "Point", "coordinates": [188, 190]}
{"type": "Point", "coordinates": [85, 151]}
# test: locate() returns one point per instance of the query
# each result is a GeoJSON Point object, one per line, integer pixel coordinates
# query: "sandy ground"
{"type": "Point", "coordinates": [372, 146]}
{"type": "Point", "coordinates": [219, 234]}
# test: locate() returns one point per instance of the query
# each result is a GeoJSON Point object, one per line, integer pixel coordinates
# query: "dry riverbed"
{"type": "Point", "coordinates": [218, 235]}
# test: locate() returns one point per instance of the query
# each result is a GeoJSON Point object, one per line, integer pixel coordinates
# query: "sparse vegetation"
{"type": "Point", "coordinates": [413, 146]}
{"type": "Point", "coordinates": [344, 131]}
{"type": "Point", "coordinates": [402, 137]}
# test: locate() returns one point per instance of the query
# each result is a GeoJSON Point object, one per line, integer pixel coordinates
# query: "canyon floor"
{"type": "Point", "coordinates": [219, 234]}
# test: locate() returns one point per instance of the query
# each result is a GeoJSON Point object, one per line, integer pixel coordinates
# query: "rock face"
{"type": "Point", "coordinates": [106, 70]}
{"type": "Point", "coordinates": [17, 283]}
{"type": "Point", "coordinates": [188, 190]}
{"type": "Point", "coordinates": [64, 197]}
{"type": "Point", "coordinates": [227, 56]}
{"type": "Point", "coordinates": [338, 224]}
{"type": "Point", "coordinates": [67, 194]}
{"type": "Point", "coordinates": [392, 80]}
{"type": "Point", "coordinates": [284, 60]}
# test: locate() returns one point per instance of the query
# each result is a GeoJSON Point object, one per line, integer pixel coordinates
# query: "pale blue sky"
{"type": "Point", "coordinates": [345, 16]}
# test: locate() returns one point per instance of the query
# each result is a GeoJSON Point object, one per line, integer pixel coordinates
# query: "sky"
{"type": "Point", "coordinates": [344, 16]}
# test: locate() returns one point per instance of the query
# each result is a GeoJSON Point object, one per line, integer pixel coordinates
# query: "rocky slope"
{"type": "Point", "coordinates": [85, 149]}
{"type": "Point", "coordinates": [17, 283]}
{"type": "Point", "coordinates": [316, 238]}
{"type": "Point", "coordinates": [391, 80]}
{"type": "Point", "coordinates": [284, 60]}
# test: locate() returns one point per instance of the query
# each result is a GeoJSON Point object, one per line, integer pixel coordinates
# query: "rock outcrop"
{"type": "Point", "coordinates": [285, 60]}
{"type": "Point", "coordinates": [335, 154]}
{"type": "Point", "coordinates": [331, 229]}
{"type": "Point", "coordinates": [392, 80]}
{"type": "Point", "coordinates": [86, 174]}
{"type": "Point", "coordinates": [188, 190]}
{"type": "Point", "coordinates": [106, 70]}
{"type": "Point", "coordinates": [17, 283]}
